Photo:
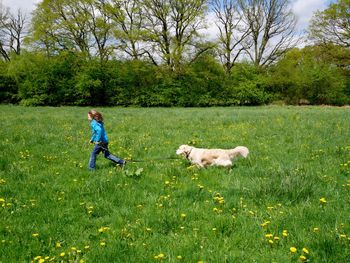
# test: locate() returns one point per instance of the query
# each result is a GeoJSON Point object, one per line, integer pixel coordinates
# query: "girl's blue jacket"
{"type": "Point", "coordinates": [98, 132]}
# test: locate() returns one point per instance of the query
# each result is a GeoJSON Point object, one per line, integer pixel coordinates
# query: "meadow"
{"type": "Point", "coordinates": [289, 201]}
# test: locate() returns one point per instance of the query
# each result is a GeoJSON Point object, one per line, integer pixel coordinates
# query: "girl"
{"type": "Point", "coordinates": [100, 140]}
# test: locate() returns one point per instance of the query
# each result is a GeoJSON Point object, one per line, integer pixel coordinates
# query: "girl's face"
{"type": "Point", "coordinates": [89, 117]}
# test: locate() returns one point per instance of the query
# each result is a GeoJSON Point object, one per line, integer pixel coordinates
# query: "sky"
{"type": "Point", "coordinates": [303, 9]}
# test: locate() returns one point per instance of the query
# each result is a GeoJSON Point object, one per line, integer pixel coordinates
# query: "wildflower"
{"type": "Point", "coordinates": [183, 215]}
{"type": "Point", "coordinates": [62, 254]}
{"type": "Point", "coordinates": [35, 235]}
{"type": "Point", "coordinates": [293, 249]}
{"type": "Point", "coordinates": [285, 233]}
{"type": "Point", "coordinates": [270, 242]}
{"type": "Point", "coordinates": [160, 256]}
{"type": "Point", "coordinates": [265, 224]}
{"type": "Point", "coordinates": [316, 229]}
{"type": "Point", "coordinates": [302, 258]}
{"type": "Point", "coordinates": [87, 247]}
{"type": "Point", "coordinates": [214, 228]}
{"type": "Point", "coordinates": [102, 244]}
{"type": "Point", "coordinates": [268, 235]}
{"type": "Point", "coordinates": [37, 258]}
{"type": "Point", "coordinates": [103, 229]}
{"type": "Point", "coordinates": [276, 238]}
{"type": "Point", "coordinates": [179, 257]}
{"type": "Point", "coordinates": [305, 250]}
{"type": "Point", "coordinates": [58, 245]}
{"type": "Point", "coordinates": [323, 201]}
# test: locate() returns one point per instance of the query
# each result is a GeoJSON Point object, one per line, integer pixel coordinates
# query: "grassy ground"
{"type": "Point", "coordinates": [293, 192]}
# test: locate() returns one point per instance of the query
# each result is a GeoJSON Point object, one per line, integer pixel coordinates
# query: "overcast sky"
{"type": "Point", "coordinates": [302, 8]}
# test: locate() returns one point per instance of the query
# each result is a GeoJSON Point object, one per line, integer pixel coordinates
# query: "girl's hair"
{"type": "Point", "coordinates": [95, 115]}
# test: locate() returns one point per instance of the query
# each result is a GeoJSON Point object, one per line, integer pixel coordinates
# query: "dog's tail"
{"type": "Point", "coordinates": [239, 151]}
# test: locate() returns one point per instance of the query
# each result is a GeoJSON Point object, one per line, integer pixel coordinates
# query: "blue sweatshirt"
{"type": "Point", "coordinates": [98, 132]}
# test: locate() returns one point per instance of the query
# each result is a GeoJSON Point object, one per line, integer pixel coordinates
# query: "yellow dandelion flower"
{"type": "Point", "coordinates": [276, 238]}
{"type": "Point", "coordinates": [103, 229]}
{"type": "Point", "coordinates": [293, 249]}
{"type": "Point", "coordinates": [62, 254]}
{"type": "Point", "coordinates": [316, 229]}
{"type": "Point", "coordinates": [268, 235]}
{"type": "Point", "coordinates": [37, 258]}
{"type": "Point", "coordinates": [179, 257]}
{"type": "Point", "coordinates": [265, 224]}
{"type": "Point", "coordinates": [58, 245]}
{"type": "Point", "coordinates": [285, 233]}
{"type": "Point", "coordinates": [87, 247]}
{"type": "Point", "coordinates": [183, 215]}
{"type": "Point", "coordinates": [41, 260]}
{"type": "Point", "coordinates": [270, 241]}
{"type": "Point", "coordinates": [160, 256]}
{"type": "Point", "coordinates": [35, 235]}
{"type": "Point", "coordinates": [305, 250]}
{"type": "Point", "coordinates": [323, 201]}
{"type": "Point", "coordinates": [102, 244]}
{"type": "Point", "coordinates": [302, 258]}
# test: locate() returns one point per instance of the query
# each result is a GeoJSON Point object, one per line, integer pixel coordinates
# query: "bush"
{"type": "Point", "coordinates": [302, 76]}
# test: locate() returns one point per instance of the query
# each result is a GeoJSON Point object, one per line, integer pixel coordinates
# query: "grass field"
{"type": "Point", "coordinates": [289, 201]}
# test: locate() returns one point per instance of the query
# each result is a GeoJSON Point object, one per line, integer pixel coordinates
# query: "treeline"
{"type": "Point", "coordinates": [152, 53]}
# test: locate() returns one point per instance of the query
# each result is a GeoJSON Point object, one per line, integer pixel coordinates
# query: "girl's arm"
{"type": "Point", "coordinates": [97, 132]}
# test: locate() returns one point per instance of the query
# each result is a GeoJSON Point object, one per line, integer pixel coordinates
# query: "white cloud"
{"type": "Point", "coordinates": [304, 11]}
{"type": "Point", "coordinates": [26, 6]}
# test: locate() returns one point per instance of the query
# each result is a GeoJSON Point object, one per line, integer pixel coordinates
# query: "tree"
{"type": "Point", "coordinates": [127, 21]}
{"type": "Point", "coordinates": [173, 26]}
{"type": "Point", "coordinates": [307, 74]}
{"type": "Point", "coordinates": [332, 25]}
{"type": "Point", "coordinates": [79, 25]}
{"type": "Point", "coordinates": [12, 31]}
{"type": "Point", "coordinates": [272, 29]}
{"type": "Point", "coordinates": [232, 31]}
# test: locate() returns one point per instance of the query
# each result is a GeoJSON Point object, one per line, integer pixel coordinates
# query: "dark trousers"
{"type": "Point", "coordinates": [103, 147]}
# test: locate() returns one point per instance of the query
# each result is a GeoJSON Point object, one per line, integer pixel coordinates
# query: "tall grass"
{"type": "Point", "coordinates": [292, 191]}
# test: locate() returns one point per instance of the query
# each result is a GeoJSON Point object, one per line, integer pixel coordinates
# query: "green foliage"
{"type": "Point", "coordinates": [304, 75]}
{"type": "Point", "coordinates": [166, 210]}
{"type": "Point", "coordinates": [8, 86]}
{"type": "Point", "coordinates": [42, 80]}
{"type": "Point", "coordinates": [332, 24]}
{"type": "Point", "coordinates": [317, 75]}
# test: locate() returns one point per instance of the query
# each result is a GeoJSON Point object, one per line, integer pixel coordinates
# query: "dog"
{"type": "Point", "coordinates": [211, 157]}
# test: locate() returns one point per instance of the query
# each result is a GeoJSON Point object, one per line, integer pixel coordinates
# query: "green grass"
{"type": "Point", "coordinates": [298, 155]}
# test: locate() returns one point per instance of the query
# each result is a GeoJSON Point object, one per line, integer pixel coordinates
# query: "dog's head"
{"type": "Point", "coordinates": [184, 150]}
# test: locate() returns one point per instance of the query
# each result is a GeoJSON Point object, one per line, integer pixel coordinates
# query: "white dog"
{"type": "Point", "coordinates": [208, 157]}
